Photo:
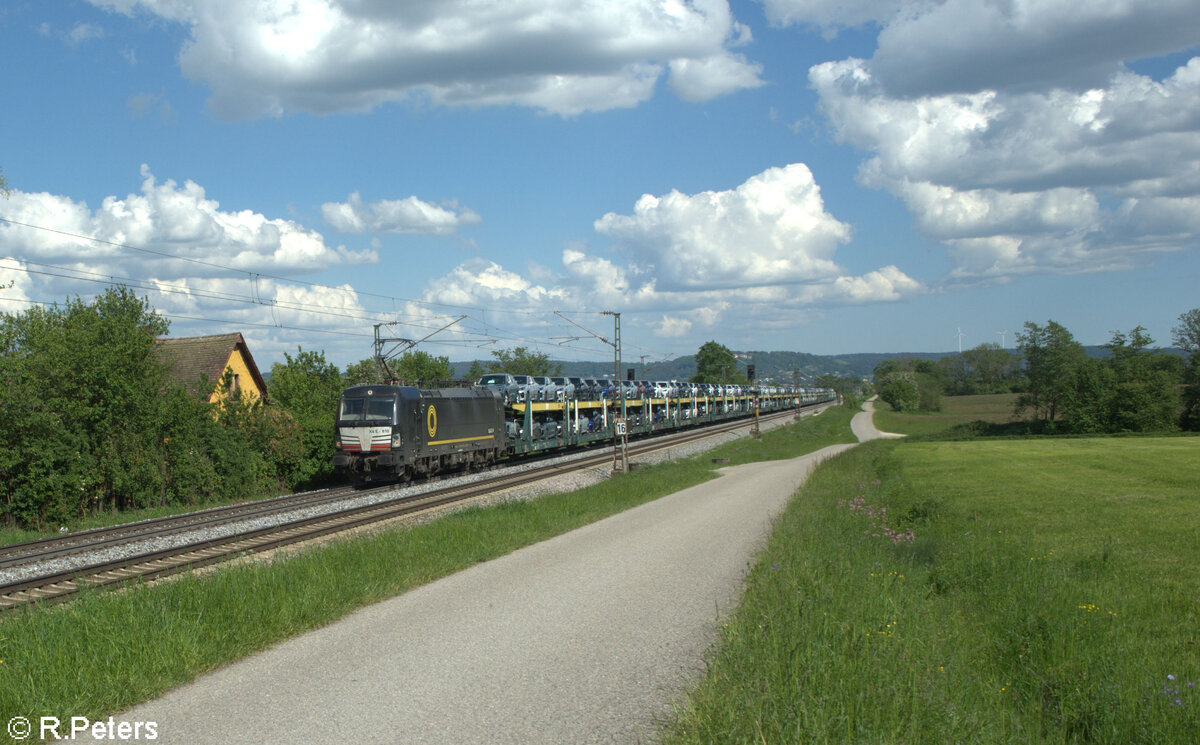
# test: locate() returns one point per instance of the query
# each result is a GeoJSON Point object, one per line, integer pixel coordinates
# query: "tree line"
{"type": "Point", "coordinates": [91, 420]}
{"type": "Point", "coordinates": [1134, 388]}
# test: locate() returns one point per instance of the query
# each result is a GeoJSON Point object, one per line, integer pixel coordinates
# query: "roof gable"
{"type": "Point", "coordinates": [190, 358]}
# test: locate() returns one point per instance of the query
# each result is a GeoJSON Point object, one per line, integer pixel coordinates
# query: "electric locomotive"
{"type": "Point", "coordinates": [393, 432]}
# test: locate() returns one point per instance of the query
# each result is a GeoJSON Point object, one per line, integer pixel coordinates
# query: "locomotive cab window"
{"type": "Point", "coordinates": [367, 409]}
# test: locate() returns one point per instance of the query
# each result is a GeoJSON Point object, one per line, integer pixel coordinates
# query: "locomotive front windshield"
{"type": "Point", "coordinates": [367, 409]}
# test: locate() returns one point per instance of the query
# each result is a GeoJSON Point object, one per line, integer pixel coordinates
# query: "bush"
{"type": "Point", "coordinates": [89, 421]}
{"type": "Point", "coordinates": [900, 391]}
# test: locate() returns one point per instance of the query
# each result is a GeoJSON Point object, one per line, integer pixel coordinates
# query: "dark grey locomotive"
{"type": "Point", "coordinates": [388, 432]}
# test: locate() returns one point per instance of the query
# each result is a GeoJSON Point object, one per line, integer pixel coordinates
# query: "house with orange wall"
{"type": "Point", "coordinates": [197, 360]}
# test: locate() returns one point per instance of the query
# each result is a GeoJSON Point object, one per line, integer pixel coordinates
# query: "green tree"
{"type": "Point", "coordinates": [886, 368]}
{"type": "Point", "coordinates": [929, 392]}
{"type": "Point", "coordinates": [423, 368]}
{"type": "Point", "coordinates": [908, 384]}
{"type": "Point", "coordinates": [960, 378]}
{"type": "Point", "coordinates": [1187, 336]}
{"type": "Point", "coordinates": [308, 388]}
{"type": "Point", "coordinates": [80, 428]}
{"type": "Point", "coordinates": [1131, 391]}
{"type": "Point", "coordinates": [900, 390]}
{"type": "Point", "coordinates": [1145, 398]}
{"type": "Point", "coordinates": [984, 369]}
{"type": "Point", "coordinates": [364, 372]}
{"type": "Point", "coordinates": [845, 386]}
{"type": "Point", "coordinates": [476, 371]}
{"type": "Point", "coordinates": [716, 364]}
{"type": "Point", "coordinates": [521, 361]}
{"type": "Point", "coordinates": [1052, 357]}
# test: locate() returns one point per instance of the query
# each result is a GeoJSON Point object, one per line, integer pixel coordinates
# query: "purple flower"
{"type": "Point", "coordinates": [1170, 677]}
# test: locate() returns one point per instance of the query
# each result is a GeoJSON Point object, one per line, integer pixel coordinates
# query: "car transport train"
{"type": "Point", "coordinates": [399, 432]}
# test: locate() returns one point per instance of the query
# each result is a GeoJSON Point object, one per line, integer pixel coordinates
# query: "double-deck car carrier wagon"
{"type": "Point", "coordinates": [387, 432]}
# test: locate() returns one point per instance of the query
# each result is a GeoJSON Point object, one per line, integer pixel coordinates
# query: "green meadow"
{"type": "Point", "coordinates": [1015, 591]}
{"type": "Point", "coordinates": [955, 411]}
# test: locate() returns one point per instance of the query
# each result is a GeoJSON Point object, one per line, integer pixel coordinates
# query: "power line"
{"type": "Point", "coordinates": [340, 332]}
{"type": "Point", "coordinates": [255, 297]}
{"type": "Point", "coordinates": [167, 289]}
{"type": "Point", "coordinates": [213, 265]}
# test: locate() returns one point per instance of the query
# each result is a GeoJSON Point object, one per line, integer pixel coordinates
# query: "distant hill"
{"type": "Point", "coordinates": [777, 366]}
{"type": "Point", "coordinates": [771, 366]}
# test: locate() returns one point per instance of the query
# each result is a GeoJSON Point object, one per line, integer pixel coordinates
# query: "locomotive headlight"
{"type": "Point", "coordinates": [395, 439]}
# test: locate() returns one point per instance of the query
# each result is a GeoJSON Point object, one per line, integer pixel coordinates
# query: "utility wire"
{"type": "Point", "coordinates": [256, 299]}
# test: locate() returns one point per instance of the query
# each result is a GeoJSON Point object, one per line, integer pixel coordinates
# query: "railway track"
{"type": "Point", "coordinates": [54, 586]}
{"type": "Point", "coordinates": [90, 540]}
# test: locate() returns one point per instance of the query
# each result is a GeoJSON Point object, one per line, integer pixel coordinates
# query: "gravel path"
{"type": "Point", "coordinates": [863, 424]}
{"type": "Point", "coordinates": [584, 638]}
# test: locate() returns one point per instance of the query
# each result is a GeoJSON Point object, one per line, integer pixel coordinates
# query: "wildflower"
{"type": "Point", "coordinates": [1170, 677]}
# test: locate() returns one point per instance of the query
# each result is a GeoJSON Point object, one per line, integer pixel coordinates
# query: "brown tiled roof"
{"type": "Point", "coordinates": [190, 357]}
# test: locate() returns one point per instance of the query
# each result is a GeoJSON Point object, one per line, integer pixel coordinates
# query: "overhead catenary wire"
{"type": "Point", "coordinates": [255, 296]}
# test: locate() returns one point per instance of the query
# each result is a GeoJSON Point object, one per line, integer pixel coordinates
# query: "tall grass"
{"type": "Point", "coordinates": [830, 427]}
{"type": "Point", "coordinates": [999, 592]}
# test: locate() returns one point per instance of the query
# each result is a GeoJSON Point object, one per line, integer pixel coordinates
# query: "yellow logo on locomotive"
{"type": "Point", "coordinates": [431, 421]}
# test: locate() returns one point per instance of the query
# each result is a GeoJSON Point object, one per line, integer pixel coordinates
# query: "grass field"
{"type": "Point", "coordinates": [107, 651]}
{"type": "Point", "coordinates": [956, 410]}
{"type": "Point", "coordinates": [1025, 591]}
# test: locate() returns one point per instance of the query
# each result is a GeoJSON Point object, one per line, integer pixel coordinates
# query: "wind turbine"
{"type": "Point", "coordinates": [1002, 334]}
{"type": "Point", "coordinates": [958, 331]}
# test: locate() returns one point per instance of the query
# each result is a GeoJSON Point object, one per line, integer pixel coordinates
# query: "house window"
{"type": "Point", "coordinates": [237, 384]}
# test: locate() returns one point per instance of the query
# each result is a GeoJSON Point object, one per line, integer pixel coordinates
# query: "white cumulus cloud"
{"type": "Point", "coordinates": [177, 246]}
{"type": "Point", "coordinates": [772, 229]}
{"type": "Point", "coordinates": [563, 57]}
{"type": "Point", "coordinates": [752, 259]}
{"type": "Point", "coordinates": [410, 216]}
{"type": "Point", "coordinates": [167, 218]}
{"type": "Point", "coordinates": [1021, 140]}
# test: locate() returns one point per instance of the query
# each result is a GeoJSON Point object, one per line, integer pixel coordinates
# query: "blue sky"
{"type": "Point", "coordinates": [802, 175]}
